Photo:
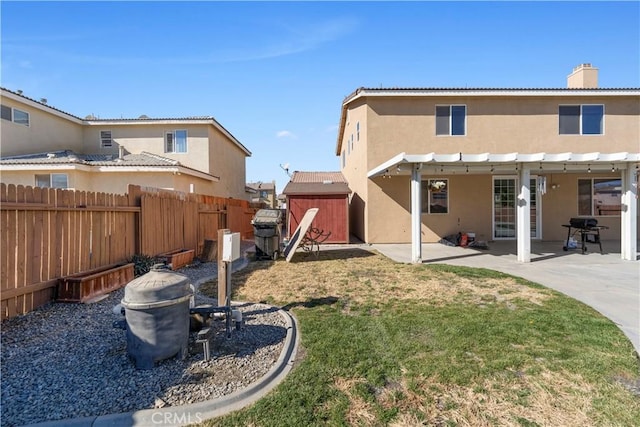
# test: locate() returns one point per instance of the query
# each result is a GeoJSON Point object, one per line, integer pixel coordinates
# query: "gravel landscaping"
{"type": "Point", "coordinates": [66, 360]}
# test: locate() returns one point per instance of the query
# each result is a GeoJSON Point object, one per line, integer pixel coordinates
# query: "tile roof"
{"type": "Point", "coordinates": [68, 156]}
{"type": "Point", "coordinates": [317, 177]}
{"type": "Point", "coordinates": [41, 103]}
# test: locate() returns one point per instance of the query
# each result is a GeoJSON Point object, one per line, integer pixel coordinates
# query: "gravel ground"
{"type": "Point", "coordinates": [66, 360]}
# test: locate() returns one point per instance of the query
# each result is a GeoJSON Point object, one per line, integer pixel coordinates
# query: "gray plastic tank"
{"type": "Point", "coordinates": [157, 315]}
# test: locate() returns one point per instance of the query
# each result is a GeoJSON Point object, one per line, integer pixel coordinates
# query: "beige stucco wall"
{"type": "Point", "coordinates": [228, 162]}
{"type": "Point", "coordinates": [496, 125]}
{"type": "Point", "coordinates": [355, 169]}
{"type": "Point", "coordinates": [149, 137]}
{"type": "Point", "coordinates": [114, 183]}
{"type": "Point", "coordinates": [47, 131]}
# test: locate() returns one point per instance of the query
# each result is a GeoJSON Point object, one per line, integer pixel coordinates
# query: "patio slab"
{"type": "Point", "coordinates": [605, 282]}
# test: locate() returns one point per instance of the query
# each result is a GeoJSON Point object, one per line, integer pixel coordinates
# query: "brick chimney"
{"type": "Point", "coordinates": [583, 76]}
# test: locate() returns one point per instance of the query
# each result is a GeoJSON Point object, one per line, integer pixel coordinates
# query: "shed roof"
{"type": "Point", "coordinates": [317, 177]}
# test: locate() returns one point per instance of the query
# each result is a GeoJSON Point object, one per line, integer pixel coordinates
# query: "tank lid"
{"type": "Point", "coordinates": [158, 285]}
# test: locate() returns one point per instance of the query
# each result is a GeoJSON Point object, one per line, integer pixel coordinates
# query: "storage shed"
{"type": "Point", "coordinates": [327, 191]}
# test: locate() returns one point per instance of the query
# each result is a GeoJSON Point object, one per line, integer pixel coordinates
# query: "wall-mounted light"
{"type": "Point", "coordinates": [492, 169]}
{"type": "Point", "coordinates": [588, 168]}
{"type": "Point", "coordinates": [467, 168]}
{"type": "Point", "coordinates": [613, 167]}
{"type": "Point", "coordinates": [564, 168]}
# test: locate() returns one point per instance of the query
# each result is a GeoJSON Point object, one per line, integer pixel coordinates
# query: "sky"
{"type": "Point", "coordinates": [275, 74]}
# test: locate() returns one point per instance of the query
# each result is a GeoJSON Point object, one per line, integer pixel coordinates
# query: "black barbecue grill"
{"type": "Point", "coordinates": [588, 229]}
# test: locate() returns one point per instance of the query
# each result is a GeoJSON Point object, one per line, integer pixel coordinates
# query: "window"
{"type": "Point", "coordinates": [175, 142]}
{"type": "Point", "coordinates": [105, 138]}
{"type": "Point", "coordinates": [20, 117]}
{"type": "Point", "coordinates": [168, 142]}
{"type": "Point", "coordinates": [14, 115]}
{"type": "Point", "coordinates": [599, 197]}
{"type": "Point", "coordinates": [343, 159]}
{"type": "Point", "coordinates": [450, 119]}
{"type": "Point", "coordinates": [54, 180]}
{"type": "Point", "coordinates": [581, 119]}
{"type": "Point", "coordinates": [357, 131]}
{"type": "Point", "coordinates": [6, 113]}
{"type": "Point", "coordinates": [181, 141]}
{"type": "Point", "coordinates": [435, 196]}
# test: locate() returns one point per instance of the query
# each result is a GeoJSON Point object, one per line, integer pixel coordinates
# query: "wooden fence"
{"type": "Point", "coordinates": [49, 233]}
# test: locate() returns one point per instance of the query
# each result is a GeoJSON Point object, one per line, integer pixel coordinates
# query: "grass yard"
{"type": "Point", "coordinates": [384, 343]}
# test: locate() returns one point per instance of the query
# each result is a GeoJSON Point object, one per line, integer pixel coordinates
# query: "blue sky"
{"type": "Point", "coordinates": [275, 74]}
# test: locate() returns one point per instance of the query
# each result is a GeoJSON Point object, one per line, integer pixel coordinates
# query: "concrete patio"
{"type": "Point", "coordinates": [605, 282]}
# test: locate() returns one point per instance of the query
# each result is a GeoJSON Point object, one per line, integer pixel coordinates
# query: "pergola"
{"type": "Point", "coordinates": [522, 164]}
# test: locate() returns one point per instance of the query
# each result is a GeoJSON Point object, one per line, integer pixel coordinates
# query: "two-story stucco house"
{"type": "Point", "coordinates": [44, 146]}
{"type": "Point", "coordinates": [515, 164]}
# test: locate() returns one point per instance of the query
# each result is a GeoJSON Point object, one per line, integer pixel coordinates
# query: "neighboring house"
{"type": "Point", "coordinates": [265, 192]}
{"type": "Point", "coordinates": [44, 146]}
{"type": "Point", "coordinates": [327, 191]}
{"type": "Point", "coordinates": [501, 163]}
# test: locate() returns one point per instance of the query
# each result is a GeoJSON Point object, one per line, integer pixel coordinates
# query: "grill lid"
{"type": "Point", "coordinates": [583, 222]}
{"type": "Point", "coordinates": [157, 286]}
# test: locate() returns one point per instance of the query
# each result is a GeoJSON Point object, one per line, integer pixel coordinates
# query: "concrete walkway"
{"type": "Point", "coordinates": [607, 283]}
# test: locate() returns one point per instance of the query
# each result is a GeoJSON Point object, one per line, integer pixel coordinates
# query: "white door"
{"type": "Point", "coordinates": [505, 196]}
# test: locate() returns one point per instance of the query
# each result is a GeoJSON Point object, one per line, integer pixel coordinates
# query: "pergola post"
{"type": "Point", "coordinates": [629, 215]}
{"type": "Point", "coordinates": [416, 214]}
{"type": "Point", "coordinates": [523, 214]}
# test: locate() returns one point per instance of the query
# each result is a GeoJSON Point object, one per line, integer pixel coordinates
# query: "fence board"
{"type": "Point", "coordinates": [52, 233]}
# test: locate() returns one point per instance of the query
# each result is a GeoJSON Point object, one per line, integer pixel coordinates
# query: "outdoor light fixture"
{"type": "Point", "coordinates": [564, 169]}
{"type": "Point", "coordinates": [613, 167]}
{"type": "Point", "coordinates": [588, 168]}
{"type": "Point", "coordinates": [491, 168]}
{"type": "Point", "coordinates": [467, 168]}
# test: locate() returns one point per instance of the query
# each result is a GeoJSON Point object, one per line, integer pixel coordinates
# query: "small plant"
{"type": "Point", "coordinates": [142, 263]}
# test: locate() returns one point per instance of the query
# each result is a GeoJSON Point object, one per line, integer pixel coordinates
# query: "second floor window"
{"type": "Point", "coordinates": [105, 138]}
{"type": "Point", "coordinates": [175, 142]}
{"type": "Point", "coordinates": [581, 119]}
{"type": "Point", "coordinates": [14, 115]}
{"type": "Point", "coordinates": [451, 119]}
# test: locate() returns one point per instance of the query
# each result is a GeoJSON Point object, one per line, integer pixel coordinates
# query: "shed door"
{"type": "Point", "coordinates": [332, 215]}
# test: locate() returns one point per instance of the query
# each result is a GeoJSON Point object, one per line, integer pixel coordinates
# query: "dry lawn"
{"type": "Point", "coordinates": [549, 398]}
{"type": "Point", "coordinates": [357, 276]}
